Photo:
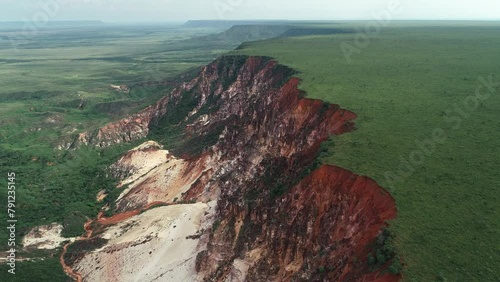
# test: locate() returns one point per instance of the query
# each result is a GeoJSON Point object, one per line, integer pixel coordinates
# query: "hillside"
{"type": "Point", "coordinates": [233, 36]}
{"type": "Point", "coordinates": [238, 213]}
{"type": "Point", "coordinates": [226, 24]}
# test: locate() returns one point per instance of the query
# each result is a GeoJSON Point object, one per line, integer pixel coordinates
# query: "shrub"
{"type": "Point", "coordinates": [396, 266]}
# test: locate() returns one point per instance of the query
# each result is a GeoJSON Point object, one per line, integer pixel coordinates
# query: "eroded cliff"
{"type": "Point", "coordinates": [241, 181]}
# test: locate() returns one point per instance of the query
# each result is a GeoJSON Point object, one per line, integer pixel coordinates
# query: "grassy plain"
{"type": "Point", "coordinates": [408, 81]}
{"type": "Point", "coordinates": [54, 70]}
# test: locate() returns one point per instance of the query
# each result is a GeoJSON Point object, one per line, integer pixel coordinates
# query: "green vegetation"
{"type": "Point", "coordinates": [61, 188]}
{"type": "Point", "coordinates": [384, 252]}
{"type": "Point", "coordinates": [46, 270]}
{"type": "Point", "coordinates": [59, 82]}
{"type": "Point", "coordinates": [402, 86]}
{"type": "Point", "coordinates": [79, 248]}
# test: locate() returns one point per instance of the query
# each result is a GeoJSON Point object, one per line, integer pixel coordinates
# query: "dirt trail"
{"type": "Point", "coordinates": [102, 221]}
{"type": "Point", "coordinates": [69, 271]}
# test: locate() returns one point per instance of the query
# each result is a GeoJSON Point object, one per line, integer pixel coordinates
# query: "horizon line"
{"type": "Point", "coordinates": [260, 20]}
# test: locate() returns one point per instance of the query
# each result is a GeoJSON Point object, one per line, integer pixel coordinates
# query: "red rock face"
{"type": "Point", "coordinates": [327, 220]}
{"type": "Point", "coordinates": [278, 217]}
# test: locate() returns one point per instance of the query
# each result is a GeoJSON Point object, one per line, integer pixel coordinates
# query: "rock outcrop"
{"type": "Point", "coordinates": [242, 138]}
{"type": "Point", "coordinates": [44, 237]}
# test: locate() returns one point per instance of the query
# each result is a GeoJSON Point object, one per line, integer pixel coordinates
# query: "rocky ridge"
{"type": "Point", "coordinates": [242, 142]}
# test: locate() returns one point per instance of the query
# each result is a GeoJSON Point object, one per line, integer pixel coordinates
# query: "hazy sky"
{"type": "Point", "coordinates": [180, 10]}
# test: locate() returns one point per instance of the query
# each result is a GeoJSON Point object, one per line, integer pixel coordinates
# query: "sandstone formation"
{"type": "Point", "coordinates": [241, 196]}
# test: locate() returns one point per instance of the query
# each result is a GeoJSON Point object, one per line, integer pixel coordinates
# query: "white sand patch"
{"type": "Point", "coordinates": [141, 160]}
{"type": "Point", "coordinates": [45, 237]}
{"type": "Point", "coordinates": [151, 246]}
{"type": "Point", "coordinates": [120, 88]}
